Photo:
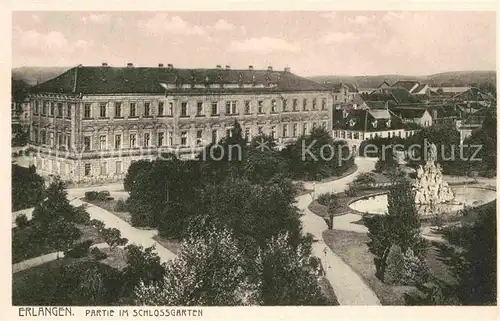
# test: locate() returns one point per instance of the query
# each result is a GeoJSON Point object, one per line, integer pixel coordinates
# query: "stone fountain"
{"type": "Point", "coordinates": [429, 187]}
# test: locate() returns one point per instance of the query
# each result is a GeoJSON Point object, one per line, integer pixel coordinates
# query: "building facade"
{"type": "Point", "coordinates": [90, 123]}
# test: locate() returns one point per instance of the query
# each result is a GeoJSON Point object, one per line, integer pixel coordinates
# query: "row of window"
{"type": "Point", "coordinates": [167, 138]}
{"type": "Point", "coordinates": [52, 109]}
{"type": "Point", "coordinates": [356, 135]}
{"type": "Point", "coordinates": [231, 108]}
{"type": "Point", "coordinates": [103, 168]}
{"type": "Point", "coordinates": [61, 139]}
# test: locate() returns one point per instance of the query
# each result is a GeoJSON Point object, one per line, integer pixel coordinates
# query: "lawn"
{"type": "Point", "coordinates": [110, 205]}
{"type": "Point", "coordinates": [352, 248]}
{"type": "Point", "coordinates": [171, 245]}
{"type": "Point", "coordinates": [327, 290]}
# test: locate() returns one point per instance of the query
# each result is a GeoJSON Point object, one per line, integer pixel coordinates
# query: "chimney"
{"type": "Point", "coordinates": [130, 64]}
{"type": "Point", "coordinates": [104, 64]}
{"type": "Point", "coordinates": [228, 67]}
{"type": "Point", "coordinates": [160, 65]}
{"type": "Point", "coordinates": [218, 67]}
{"type": "Point", "coordinates": [287, 69]}
{"type": "Point", "coordinates": [250, 67]}
{"type": "Point", "coordinates": [170, 66]}
{"type": "Point", "coordinates": [270, 68]}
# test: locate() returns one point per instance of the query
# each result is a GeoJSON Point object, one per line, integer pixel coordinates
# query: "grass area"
{"type": "Point", "coordinates": [352, 248]}
{"type": "Point", "coordinates": [327, 290]}
{"type": "Point", "coordinates": [171, 245]}
{"type": "Point", "coordinates": [350, 171]}
{"type": "Point", "coordinates": [110, 205]}
{"type": "Point", "coordinates": [89, 233]}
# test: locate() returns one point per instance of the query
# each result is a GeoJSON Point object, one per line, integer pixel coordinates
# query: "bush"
{"type": "Point", "coordinates": [121, 206]}
{"type": "Point", "coordinates": [98, 254]}
{"type": "Point", "coordinates": [103, 195]}
{"type": "Point", "coordinates": [351, 190]}
{"type": "Point", "coordinates": [79, 250]}
{"type": "Point", "coordinates": [91, 195]}
{"type": "Point", "coordinates": [22, 221]}
{"type": "Point", "coordinates": [365, 179]}
{"type": "Point", "coordinates": [415, 270]}
{"type": "Point", "coordinates": [394, 266]}
{"type": "Point", "coordinates": [81, 215]}
{"type": "Point", "coordinates": [324, 199]}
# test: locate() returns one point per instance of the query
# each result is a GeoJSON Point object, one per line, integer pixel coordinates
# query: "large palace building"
{"type": "Point", "coordinates": [90, 123]}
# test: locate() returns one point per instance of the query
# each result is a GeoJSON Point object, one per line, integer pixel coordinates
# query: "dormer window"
{"type": "Point", "coordinates": [352, 122]}
{"type": "Point", "coordinates": [374, 123]}
{"type": "Point", "coordinates": [388, 123]}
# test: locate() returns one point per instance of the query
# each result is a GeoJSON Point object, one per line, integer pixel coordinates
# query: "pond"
{"type": "Point", "coordinates": [464, 196]}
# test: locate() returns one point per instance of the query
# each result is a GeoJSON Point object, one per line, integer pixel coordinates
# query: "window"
{"type": "Point", "coordinates": [356, 135]}
{"type": "Point", "coordinates": [161, 108]}
{"type": "Point", "coordinates": [234, 109]}
{"type": "Point", "coordinates": [118, 109]}
{"type": "Point", "coordinates": [260, 130]}
{"type": "Point", "coordinates": [103, 168]}
{"type": "Point", "coordinates": [133, 141]}
{"type": "Point", "coordinates": [86, 143]}
{"type": "Point", "coordinates": [118, 167]}
{"type": "Point", "coordinates": [285, 130]}
{"type": "Point", "coordinates": [184, 109]}
{"type": "Point", "coordinates": [102, 110]}
{"type": "Point", "coordinates": [44, 137]}
{"type": "Point", "coordinates": [314, 125]}
{"type": "Point", "coordinates": [147, 109]}
{"type": "Point", "coordinates": [147, 139]}
{"type": "Point", "coordinates": [248, 133]}
{"type": "Point", "coordinates": [295, 104]}
{"type": "Point", "coordinates": [52, 107]}
{"type": "Point", "coordinates": [323, 104]}
{"type": "Point", "coordinates": [314, 104]}
{"type": "Point", "coordinates": [215, 108]}
{"type": "Point", "coordinates": [304, 129]}
{"type": "Point", "coordinates": [170, 108]}
{"type": "Point", "coordinates": [132, 110]}
{"type": "Point", "coordinates": [118, 141]}
{"type": "Point", "coordinates": [214, 136]}
{"type": "Point", "coordinates": [323, 124]}
{"type": "Point", "coordinates": [304, 104]}
{"type": "Point", "coordinates": [247, 107]}
{"type": "Point", "coordinates": [51, 139]}
{"type": "Point", "coordinates": [285, 104]}
{"type": "Point", "coordinates": [199, 135]}
{"type": "Point", "coordinates": [228, 132]}
{"type": "Point", "coordinates": [87, 110]}
{"type": "Point", "coordinates": [87, 169]}
{"type": "Point", "coordinates": [68, 111]}
{"type": "Point", "coordinates": [44, 108]}
{"type": "Point", "coordinates": [199, 108]}
{"type": "Point", "coordinates": [184, 138]}
{"type": "Point", "coordinates": [273, 106]}
{"type": "Point", "coordinates": [294, 130]}
{"type": "Point", "coordinates": [228, 108]}
{"type": "Point", "coordinates": [102, 142]}
{"type": "Point", "coordinates": [273, 132]}
{"type": "Point", "coordinates": [59, 139]}
{"type": "Point", "coordinates": [161, 138]}
{"type": "Point", "coordinates": [260, 106]}
{"type": "Point", "coordinates": [37, 107]}
{"type": "Point", "coordinates": [170, 138]}
{"type": "Point", "coordinates": [59, 109]}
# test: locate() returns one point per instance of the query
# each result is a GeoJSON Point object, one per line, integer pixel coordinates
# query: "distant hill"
{"type": "Point", "coordinates": [36, 75]}
{"type": "Point", "coordinates": [445, 79]}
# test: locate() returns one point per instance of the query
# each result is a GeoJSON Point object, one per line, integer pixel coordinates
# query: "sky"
{"type": "Point", "coordinates": [309, 42]}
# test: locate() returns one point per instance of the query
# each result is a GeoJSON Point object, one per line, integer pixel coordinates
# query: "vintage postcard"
{"type": "Point", "coordinates": [289, 163]}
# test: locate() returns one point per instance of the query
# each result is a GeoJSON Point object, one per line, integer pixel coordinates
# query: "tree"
{"type": "Point", "coordinates": [27, 187]}
{"type": "Point", "coordinates": [99, 225]}
{"type": "Point", "coordinates": [55, 206]}
{"type": "Point", "coordinates": [394, 269]}
{"type": "Point", "coordinates": [143, 267]}
{"type": "Point", "coordinates": [333, 206]}
{"type": "Point", "coordinates": [22, 221]}
{"type": "Point", "coordinates": [284, 276]}
{"type": "Point", "coordinates": [62, 234]}
{"type": "Point", "coordinates": [133, 170]}
{"type": "Point", "coordinates": [112, 236]}
{"type": "Point", "coordinates": [207, 272]}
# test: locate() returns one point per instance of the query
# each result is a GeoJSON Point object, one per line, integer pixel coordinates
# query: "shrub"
{"type": "Point", "coordinates": [351, 190]}
{"type": "Point", "coordinates": [324, 199]}
{"type": "Point", "coordinates": [98, 254]}
{"type": "Point", "coordinates": [99, 225]}
{"type": "Point", "coordinates": [81, 215]}
{"type": "Point", "coordinates": [394, 266]}
{"type": "Point", "coordinates": [22, 221]}
{"type": "Point", "coordinates": [103, 195]}
{"type": "Point", "coordinates": [365, 179]}
{"type": "Point", "coordinates": [79, 250]}
{"type": "Point", "coordinates": [415, 270]}
{"type": "Point", "coordinates": [91, 195]}
{"type": "Point", "coordinates": [121, 206]}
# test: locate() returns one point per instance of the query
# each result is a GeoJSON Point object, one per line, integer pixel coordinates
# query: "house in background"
{"type": "Point", "coordinates": [366, 91]}
{"type": "Point", "coordinates": [342, 93]}
{"type": "Point", "coordinates": [419, 116]}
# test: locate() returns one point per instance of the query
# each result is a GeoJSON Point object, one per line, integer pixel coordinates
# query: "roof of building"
{"type": "Point", "coordinates": [396, 94]}
{"type": "Point", "coordinates": [376, 104]}
{"type": "Point", "coordinates": [337, 86]}
{"type": "Point", "coordinates": [109, 80]}
{"type": "Point", "coordinates": [419, 88]}
{"type": "Point", "coordinates": [368, 120]}
{"type": "Point", "coordinates": [407, 84]}
{"type": "Point", "coordinates": [409, 112]}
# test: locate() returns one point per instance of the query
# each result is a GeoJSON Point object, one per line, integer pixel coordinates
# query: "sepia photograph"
{"type": "Point", "coordinates": [174, 160]}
